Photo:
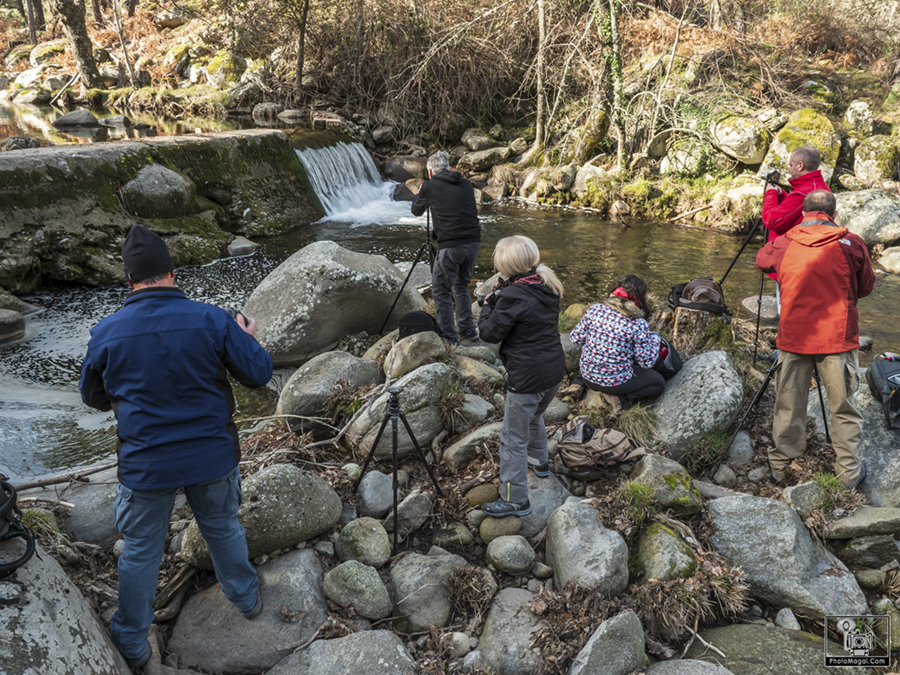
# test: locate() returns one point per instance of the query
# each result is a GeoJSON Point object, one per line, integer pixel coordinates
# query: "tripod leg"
{"type": "Point", "coordinates": [394, 447]}
{"type": "Point", "coordinates": [821, 400]}
{"type": "Point", "coordinates": [421, 454]}
{"type": "Point", "coordinates": [762, 278]}
{"type": "Point", "coordinates": [371, 454]}
{"type": "Point", "coordinates": [400, 292]}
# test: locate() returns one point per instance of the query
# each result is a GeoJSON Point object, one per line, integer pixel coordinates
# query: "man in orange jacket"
{"type": "Point", "coordinates": [823, 269]}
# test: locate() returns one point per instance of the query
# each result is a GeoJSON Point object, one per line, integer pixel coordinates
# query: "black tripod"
{"type": "Point", "coordinates": [776, 364]}
{"type": "Point", "coordinates": [426, 246]}
{"type": "Point", "coordinates": [393, 413]}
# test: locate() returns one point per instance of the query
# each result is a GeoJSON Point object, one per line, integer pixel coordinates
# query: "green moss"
{"type": "Point", "coordinates": [810, 127]}
{"type": "Point", "coordinates": [567, 322]}
{"type": "Point", "coordinates": [718, 334]}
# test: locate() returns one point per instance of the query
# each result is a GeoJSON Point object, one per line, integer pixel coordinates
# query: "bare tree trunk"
{"type": "Point", "coordinates": [132, 5]}
{"type": "Point", "coordinates": [71, 13]}
{"type": "Point", "coordinates": [118, 19]}
{"type": "Point", "coordinates": [615, 70]}
{"type": "Point", "coordinates": [40, 22]}
{"type": "Point", "coordinates": [301, 42]}
{"type": "Point", "coordinates": [539, 124]}
{"type": "Point", "coordinates": [98, 14]}
{"type": "Point", "coordinates": [32, 31]}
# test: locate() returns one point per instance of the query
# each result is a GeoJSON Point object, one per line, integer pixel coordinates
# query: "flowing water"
{"type": "Point", "coordinates": [44, 426]}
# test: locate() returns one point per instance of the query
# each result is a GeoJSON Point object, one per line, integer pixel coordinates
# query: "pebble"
{"type": "Point", "coordinates": [261, 559]}
{"type": "Point", "coordinates": [725, 476]}
{"type": "Point", "coordinates": [541, 571]}
{"type": "Point", "coordinates": [786, 619]}
{"type": "Point", "coordinates": [326, 549]}
{"type": "Point", "coordinates": [758, 474]}
{"type": "Point", "coordinates": [534, 585]}
{"type": "Point", "coordinates": [353, 471]}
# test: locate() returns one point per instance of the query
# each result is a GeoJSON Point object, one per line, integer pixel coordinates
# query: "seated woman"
{"type": "Point", "coordinates": [618, 348]}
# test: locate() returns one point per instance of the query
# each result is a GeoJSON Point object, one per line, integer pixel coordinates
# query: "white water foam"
{"type": "Point", "coordinates": [346, 181]}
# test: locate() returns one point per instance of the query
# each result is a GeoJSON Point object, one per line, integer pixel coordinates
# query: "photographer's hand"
{"type": "Point", "coordinates": [247, 324]}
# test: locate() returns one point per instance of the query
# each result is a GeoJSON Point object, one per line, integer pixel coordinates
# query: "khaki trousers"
{"type": "Point", "coordinates": [840, 376]}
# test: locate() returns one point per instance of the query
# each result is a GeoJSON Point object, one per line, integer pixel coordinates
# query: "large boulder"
{"type": "Point", "coordinates": [307, 391]}
{"type": "Point", "coordinates": [374, 652]}
{"type": "Point", "coordinates": [804, 127]}
{"type": "Point", "coordinates": [282, 506]}
{"type": "Point", "coordinates": [876, 158]}
{"type": "Point", "coordinates": [580, 549]}
{"type": "Point", "coordinates": [751, 649]}
{"type": "Point", "coordinates": [859, 117]}
{"type": "Point", "coordinates": [421, 402]}
{"type": "Point", "coordinates": [212, 634]}
{"type": "Point", "coordinates": [588, 176]}
{"type": "Point", "coordinates": [420, 588]}
{"type": "Point", "coordinates": [879, 447]}
{"type": "Point", "coordinates": [508, 633]}
{"type": "Point", "coordinates": [743, 138]}
{"type": "Point", "coordinates": [546, 495]}
{"type": "Point", "coordinates": [663, 555]}
{"type": "Point", "coordinates": [782, 563]}
{"type": "Point", "coordinates": [483, 159]}
{"type": "Point", "coordinates": [159, 192]}
{"type": "Point", "coordinates": [872, 214]}
{"type": "Point", "coordinates": [46, 625]}
{"type": "Point", "coordinates": [323, 293]}
{"type": "Point", "coordinates": [225, 69]}
{"type": "Point", "coordinates": [684, 156]}
{"type": "Point", "coordinates": [615, 648]}
{"type": "Point", "coordinates": [704, 397]}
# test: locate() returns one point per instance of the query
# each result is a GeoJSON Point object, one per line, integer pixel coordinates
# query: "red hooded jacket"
{"type": "Point", "coordinates": [822, 269]}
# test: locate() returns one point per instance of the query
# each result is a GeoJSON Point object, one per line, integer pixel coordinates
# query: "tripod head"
{"type": "Point", "coordinates": [394, 401]}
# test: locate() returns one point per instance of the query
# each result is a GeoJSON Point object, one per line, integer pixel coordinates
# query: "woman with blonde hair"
{"type": "Point", "coordinates": [522, 313]}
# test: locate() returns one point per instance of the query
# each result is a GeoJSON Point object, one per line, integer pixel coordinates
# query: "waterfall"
{"type": "Point", "coordinates": [344, 178]}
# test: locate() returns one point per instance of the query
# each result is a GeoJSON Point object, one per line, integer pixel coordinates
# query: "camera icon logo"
{"type": "Point", "coordinates": [858, 640]}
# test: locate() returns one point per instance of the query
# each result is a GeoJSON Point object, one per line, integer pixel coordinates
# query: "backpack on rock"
{"type": "Point", "coordinates": [587, 453]}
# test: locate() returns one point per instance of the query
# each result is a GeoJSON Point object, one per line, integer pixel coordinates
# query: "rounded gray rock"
{"type": "Point", "coordinates": [511, 554]}
{"type": "Point", "coordinates": [159, 192]}
{"type": "Point", "coordinates": [12, 326]}
{"type": "Point", "coordinates": [357, 584]}
{"type": "Point", "coordinates": [376, 494]}
{"type": "Point", "coordinates": [365, 540]}
{"type": "Point", "coordinates": [373, 652]}
{"type": "Point", "coordinates": [76, 118]}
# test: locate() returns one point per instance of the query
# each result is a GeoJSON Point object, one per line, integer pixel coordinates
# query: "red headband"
{"type": "Point", "coordinates": [622, 293]}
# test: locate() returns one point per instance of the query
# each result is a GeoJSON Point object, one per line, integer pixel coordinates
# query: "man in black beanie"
{"type": "Point", "coordinates": [161, 364]}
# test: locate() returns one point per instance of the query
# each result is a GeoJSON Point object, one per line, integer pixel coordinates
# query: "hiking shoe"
{"type": "Point", "coordinates": [257, 608]}
{"type": "Point", "coordinates": [470, 341]}
{"type": "Point", "coordinates": [573, 391]}
{"type": "Point", "coordinates": [775, 477]}
{"type": "Point", "coordinates": [502, 508]}
{"type": "Point", "coordinates": [861, 478]}
{"type": "Point", "coordinates": [541, 470]}
{"type": "Point", "coordinates": [616, 403]}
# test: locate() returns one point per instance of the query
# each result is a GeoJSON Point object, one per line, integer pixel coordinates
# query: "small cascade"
{"type": "Point", "coordinates": [344, 177]}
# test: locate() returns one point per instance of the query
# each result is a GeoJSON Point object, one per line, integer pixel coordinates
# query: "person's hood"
{"type": "Point", "coordinates": [453, 177]}
{"type": "Point", "coordinates": [816, 229]}
{"type": "Point", "coordinates": [624, 306]}
{"type": "Point", "coordinates": [541, 292]}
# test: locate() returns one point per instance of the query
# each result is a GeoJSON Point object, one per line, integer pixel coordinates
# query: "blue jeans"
{"type": "Point", "coordinates": [142, 516]}
{"type": "Point", "coordinates": [453, 269]}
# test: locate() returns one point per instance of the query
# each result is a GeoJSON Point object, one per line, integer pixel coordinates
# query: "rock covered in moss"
{"type": "Point", "coordinates": [872, 214]}
{"type": "Point", "coordinates": [672, 487]}
{"type": "Point", "coordinates": [225, 69]}
{"type": "Point", "coordinates": [705, 396]}
{"type": "Point", "coordinates": [282, 506]}
{"type": "Point", "coordinates": [820, 91]}
{"type": "Point", "coordinates": [743, 138]}
{"type": "Point", "coordinates": [47, 51]}
{"type": "Point", "coordinates": [804, 127]}
{"type": "Point", "coordinates": [590, 137]}
{"type": "Point", "coordinates": [876, 159]}
{"type": "Point", "coordinates": [663, 555]}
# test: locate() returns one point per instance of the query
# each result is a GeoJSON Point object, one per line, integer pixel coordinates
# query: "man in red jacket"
{"type": "Point", "coordinates": [823, 269]}
{"type": "Point", "coordinates": [782, 210]}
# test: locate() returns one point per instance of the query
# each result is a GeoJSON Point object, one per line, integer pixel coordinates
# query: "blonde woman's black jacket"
{"type": "Point", "coordinates": [525, 320]}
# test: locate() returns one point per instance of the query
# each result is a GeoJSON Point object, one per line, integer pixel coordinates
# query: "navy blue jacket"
{"type": "Point", "coordinates": [160, 364]}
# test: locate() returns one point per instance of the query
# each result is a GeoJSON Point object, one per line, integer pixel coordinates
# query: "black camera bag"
{"type": "Point", "coordinates": [701, 294]}
{"type": "Point", "coordinates": [883, 378]}
{"type": "Point", "coordinates": [668, 365]}
{"type": "Point", "coordinates": [11, 527]}
{"type": "Point", "coordinates": [417, 322]}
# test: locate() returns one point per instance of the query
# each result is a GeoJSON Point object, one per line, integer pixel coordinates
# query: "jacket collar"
{"type": "Point", "coordinates": [806, 179]}
{"type": "Point", "coordinates": [624, 306]}
{"type": "Point", "coordinates": [154, 292]}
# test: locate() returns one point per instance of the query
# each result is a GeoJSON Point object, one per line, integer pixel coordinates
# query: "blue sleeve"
{"type": "Point", "coordinates": [245, 358]}
{"type": "Point", "coordinates": [93, 389]}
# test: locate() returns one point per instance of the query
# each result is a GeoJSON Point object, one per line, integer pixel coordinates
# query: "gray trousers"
{"type": "Point", "coordinates": [522, 435]}
{"type": "Point", "coordinates": [453, 269]}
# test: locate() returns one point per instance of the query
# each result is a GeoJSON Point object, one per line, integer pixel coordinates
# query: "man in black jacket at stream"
{"type": "Point", "coordinates": [451, 199]}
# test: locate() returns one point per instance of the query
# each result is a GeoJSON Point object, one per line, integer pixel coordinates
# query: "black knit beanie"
{"type": "Point", "coordinates": [145, 255]}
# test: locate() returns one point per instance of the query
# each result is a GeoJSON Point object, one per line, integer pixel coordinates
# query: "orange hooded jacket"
{"type": "Point", "coordinates": [822, 269]}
